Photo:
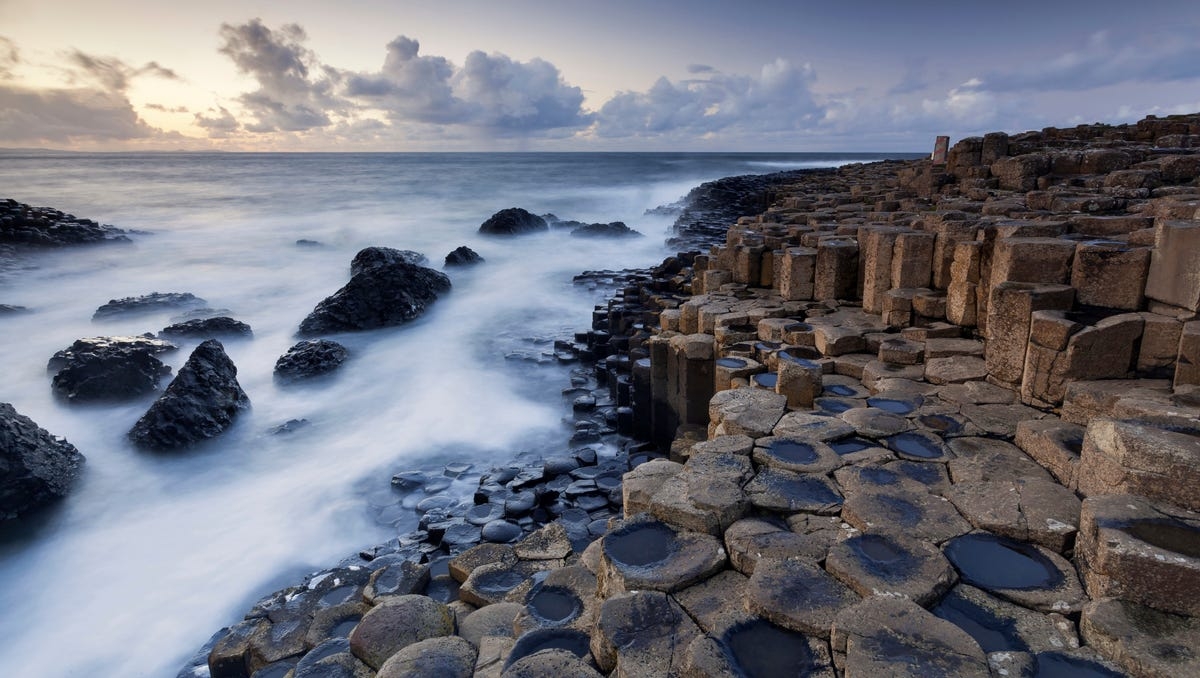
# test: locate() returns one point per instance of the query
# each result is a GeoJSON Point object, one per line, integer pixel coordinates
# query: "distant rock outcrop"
{"type": "Point", "coordinates": [22, 224]}
{"type": "Point", "coordinates": [35, 466]}
{"type": "Point", "coordinates": [147, 303]}
{"type": "Point", "coordinates": [370, 257]}
{"type": "Point", "coordinates": [201, 402]}
{"type": "Point", "coordinates": [389, 292]}
{"type": "Point", "coordinates": [207, 328]}
{"type": "Point", "coordinates": [463, 256]}
{"type": "Point", "coordinates": [513, 221]}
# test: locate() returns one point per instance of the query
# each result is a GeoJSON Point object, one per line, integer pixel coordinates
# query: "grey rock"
{"type": "Point", "coordinates": [36, 467]}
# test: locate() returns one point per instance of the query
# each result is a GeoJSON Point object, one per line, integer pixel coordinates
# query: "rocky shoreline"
{"type": "Point", "coordinates": [900, 418]}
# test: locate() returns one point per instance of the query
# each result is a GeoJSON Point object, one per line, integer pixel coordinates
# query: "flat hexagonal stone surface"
{"type": "Point", "coordinates": [918, 446]}
{"type": "Point", "coordinates": [1040, 511]}
{"type": "Point", "coordinates": [891, 565]}
{"type": "Point", "coordinates": [793, 454]}
{"type": "Point", "coordinates": [1142, 640]}
{"type": "Point", "coordinates": [747, 411]}
{"type": "Point", "coordinates": [751, 539]}
{"type": "Point", "coordinates": [872, 422]}
{"type": "Point", "coordinates": [895, 637]}
{"type": "Point", "coordinates": [490, 620]}
{"type": "Point", "coordinates": [797, 595]}
{"type": "Point", "coordinates": [648, 554]}
{"type": "Point", "coordinates": [397, 623]}
{"type": "Point", "coordinates": [917, 514]}
{"type": "Point", "coordinates": [806, 426]}
{"type": "Point", "coordinates": [989, 459]}
{"type": "Point", "coordinates": [788, 492]}
{"type": "Point", "coordinates": [448, 657]}
{"type": "Point", "coordinates": [642, 633]}
{"type": "Point", "coordinates": [554, 662]}
{"type": "Point", "coordinates": [566, 598]}
{"type": "Point", "coordinates": [1024, 573]}
{"type": "Point", "coordinates": [1000, 626]}
{"type": "Point", "coordinates": [756, 648]}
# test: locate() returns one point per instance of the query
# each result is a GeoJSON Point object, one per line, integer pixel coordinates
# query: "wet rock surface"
{"type": "Point", "coordinates": [147, 303]}
{"type": "Point", "coordinates": [109, 368]}
{"type": "Point", "coordinates": [310, 358]}
{"type": "Point", "coordinates": [463, 256]}
{"type": "Point", "coordinates": [513, 221]}
{"type": "Point", "coordinates": [385, 290]}
{"type": "Point", "coordinates": [36, 467]}
{"type": "Point", "coordinates": [201, 402]}
{"type": "Point", "coordinates": [208, 328]}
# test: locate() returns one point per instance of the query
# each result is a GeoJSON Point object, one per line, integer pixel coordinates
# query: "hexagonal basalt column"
{"type": "Point", "coordinates": [647, 554]}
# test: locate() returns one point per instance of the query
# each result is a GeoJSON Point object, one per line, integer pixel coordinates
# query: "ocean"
{"type": "Point", "coordinates": [152, 553]}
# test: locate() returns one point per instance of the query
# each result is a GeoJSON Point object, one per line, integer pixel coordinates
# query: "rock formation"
{"type": "Point", "coordinates": [36, 467]}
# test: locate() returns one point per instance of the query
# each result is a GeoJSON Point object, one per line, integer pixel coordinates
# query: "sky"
{"type": "Point", "coordinates": [565, 75]}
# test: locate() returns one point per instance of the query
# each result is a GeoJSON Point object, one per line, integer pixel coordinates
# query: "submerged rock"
{"type": "Point", "coordinates": [380, 295]}
{"type": "Point", "coordinates": [109, 368]}
{"type": "Point", "coordinates": [310, 358]}
{"type": "Point", "coordinates": [35, 466]}
{"type": "Point", "coordinates": [616, 229]}
{"type": "Point", "coordinates": [200, 403]}
{"type": "Point", "coordinates": [208, 327]}
{"type": "Point", "coordinates": [463, 256]}
{"type": "Point", "coordinates": [513, 221]}
{"type": "Point", "coordinates": [147, 303]}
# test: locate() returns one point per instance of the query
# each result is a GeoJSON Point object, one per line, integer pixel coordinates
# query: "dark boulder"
{"type": "Point", "coordinates": [22, 224]}
{"type": "Point", "coordinates": [205, 328]}
{"type": "Point", "coordinates": [310, 358]}
{"type": "Point", "coordinates": [616, 229]}
{"type": "Point", "coordinates": [513, 221]}
{"type": "Point", "coordinates": [378, 296]}
{"type": "Point", "coordinates": [370, 257]}
{"type": "Point", "coordinates": [35, 466]}
{"type": "Point", "coordinates": [147, 303]}
{"type": "Point", "coordinates": [201, 402]}
{"type": "Point", "coordinates": [9, 309]}
{"type": "Point", "coordinates": [109, 368]}
{"type": "Point", "coordinates": [463, 256]}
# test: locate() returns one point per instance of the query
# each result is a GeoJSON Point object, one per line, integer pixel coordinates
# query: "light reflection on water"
{"type": "Point", "coordinates": [152, 553]}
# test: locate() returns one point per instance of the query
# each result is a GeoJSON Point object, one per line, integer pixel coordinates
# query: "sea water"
{"type": "Point", "coordinates": [151, 553]}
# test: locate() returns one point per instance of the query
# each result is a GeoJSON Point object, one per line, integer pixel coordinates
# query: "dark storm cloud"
{"type": "Point", "coordinates": [778, 99]}
{"type": "Point", "coordinates": [1103, 61]}
{"type": "Point", "coordinates": [294, 91]}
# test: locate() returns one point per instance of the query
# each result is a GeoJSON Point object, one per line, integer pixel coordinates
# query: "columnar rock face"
{"type": "Point", "coordinates": [36, 467]}
{"type": "Point", "coordinates": [200, 403]}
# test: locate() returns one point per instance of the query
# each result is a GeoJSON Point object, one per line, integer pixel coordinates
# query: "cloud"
{"type": "Point", "coordinates": [915, 79]}
{"type": "Point", "coordinates": [1162, 58]}
{"type": "Point", "coordinates": [64, 116]}
{"type": "Point", "coordinates": [778, 99]}
{"type": "Point", "coordinates": [489, 91]}
{"type": "Point", "coordinates": [111, 73]}
{"type": "Point", "coordinates": [219, 122]}
{"type": "Point", "coordinates": [167, 109]}
{"type": "Point", "coordinates": [294, 92]}
{"type": "Point", "coordinates": [700, 68]}
{"type": "Point", "coordinates": [9, 57]}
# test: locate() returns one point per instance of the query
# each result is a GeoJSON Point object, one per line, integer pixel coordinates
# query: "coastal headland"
{"type": "Point", "coordinates": [890, 419]}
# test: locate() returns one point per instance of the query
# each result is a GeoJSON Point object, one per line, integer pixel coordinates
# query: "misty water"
{"type": "Point", "coordinates": [152, 553]}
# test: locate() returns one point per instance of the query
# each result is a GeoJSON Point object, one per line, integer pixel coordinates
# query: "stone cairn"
{"type": "Point", "coordinates": [921, 419]}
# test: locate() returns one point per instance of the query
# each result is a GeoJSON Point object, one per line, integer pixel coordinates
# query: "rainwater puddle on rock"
{"type": "Point", "coordinates": [1170, 535]}
{"type": "Point", "coordinates": [640, 544]}
{"type": "Point", "coordinates": [1055, 665]}
{"type": "Point", "coordinates": [878, 475]}
{"type": "Point", "coordinates": [798, 327]}
{"type": "Point", "coordinates": [892, 405]}
{"type": "Point", "coordinates": [554, 605]}
{"type": "Point", "coordinates": [793, 452]}
{"type": "Point", "coordinates": [343, 629]}
{"type": "Point", "coordinates": [761, 649]}
{"type": "Point", "coordinates": [766, 379]}
{"type": "Point", "coordinates": [991, 632]}
{"type": "Point", "coordinates": [914, 445]}
{"type": "Point", "coordinates": [574, 642]}
{"type": "Point", "coordinates": [803, 355]}
{"type": "Point", "coordinates": [942, 423]}
{"type": "Point", "coordinates": [839, 390]}
{"type": "Point", "coordinates": [882, 556]}
{"type": "Point", "coordinates": [991, 562]}
{"type": "Point", "coordinates": [731, 363]}
{"type": "Point", "coordinates": [498, 582]}
{"type": "Point", "coordinates": [852, 445]}
{"type": "Point", "coordinates": [833, 406]}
